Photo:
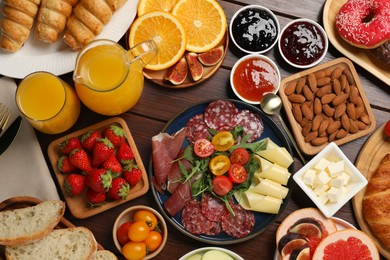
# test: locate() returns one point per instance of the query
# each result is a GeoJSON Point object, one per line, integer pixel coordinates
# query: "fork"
{"type": "Point", "coordinates": [5, 114]}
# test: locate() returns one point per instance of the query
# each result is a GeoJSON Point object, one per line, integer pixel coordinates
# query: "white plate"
{"type": "Point", "coordinates": [58, 58]}
{"type": "Point", "coordinates": [341, 224]}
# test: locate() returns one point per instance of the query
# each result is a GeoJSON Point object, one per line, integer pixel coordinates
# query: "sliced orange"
{"type": "Point", "coordinates": [166, 31]}
{"type": "Point", "coordinates": [204, 22]}
{"type": "Point", "coordinates": [146, 6]}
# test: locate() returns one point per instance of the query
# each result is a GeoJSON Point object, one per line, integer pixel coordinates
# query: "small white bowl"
{"type": "Point", "coordinates": [356, 182]}
{"type": "Point", "coordinates": [270, 34]}
{"type": "Point", "coordinates": [127, 215]}
{"type": "Point", "coordinates": [203, 250]}
{"type": "Point", "coordinates": [271, 67]}
{"type": "Point", "coordinates": [302, 38]}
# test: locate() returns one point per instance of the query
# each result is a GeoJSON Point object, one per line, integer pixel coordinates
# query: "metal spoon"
{"type": "Point", "coordinates": [271, 105]}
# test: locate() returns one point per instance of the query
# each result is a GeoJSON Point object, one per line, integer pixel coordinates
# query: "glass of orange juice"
{"type": "Point", "coordinates": [48, 103]}
{"type": "Point", "coordinates": [109, 79]}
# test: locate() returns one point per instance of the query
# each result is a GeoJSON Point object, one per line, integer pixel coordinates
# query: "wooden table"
{"type": "Point", "coordinates": [158, 105]}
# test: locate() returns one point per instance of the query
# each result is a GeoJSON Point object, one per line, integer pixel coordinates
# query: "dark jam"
{"type": "Point", "coordinates": [253, 77]}
{"type": "Point", "coordinates": [255, 30]}
{"type": "Point", "coordinates": [302, 43]}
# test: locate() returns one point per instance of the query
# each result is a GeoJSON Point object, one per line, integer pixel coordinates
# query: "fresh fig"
{"type": "Point", "coordinates": [211, 57]}
{"type": "Point", "coordinates": [307, 229]}
{"type": "Point", "coordinates": [302, 253]}
{"type": "Point", "coordinates": [177, 73]}
{"type": "Point", "coordinates": [195, 67]}
{"type": "Point", "coordinates": [289, 242]}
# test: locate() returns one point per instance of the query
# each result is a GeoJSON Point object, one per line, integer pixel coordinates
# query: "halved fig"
{"type": "Point", "coordinates": [308, 228]}
{"type": "Point", "coordinates": [211, 57]}
{"type": "Point", "coordinates": [194, 65]}
{"type": "Point", "coordinates": [290, 242]}
{"type": "Point", "coordinates": [302, 253]}
{"type": "Point", "coordinates": [177, 73]}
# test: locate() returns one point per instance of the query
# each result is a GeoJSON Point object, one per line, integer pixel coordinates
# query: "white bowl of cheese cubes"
{"type": "Point", "coordinates": [330, 179]}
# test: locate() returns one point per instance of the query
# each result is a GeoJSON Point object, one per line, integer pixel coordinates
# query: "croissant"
{"type": "Point", "coordinates": [52, 17]}
{"type": "Point", "coordinates": [88, 19]}
{"type": "Point", "coordinates": [376, 202]}
{"type": "Point", "coordinates": [16, 23]}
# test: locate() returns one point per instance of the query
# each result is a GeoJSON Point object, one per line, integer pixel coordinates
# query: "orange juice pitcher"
{"type": "Point", "coordinates": [109, 80]}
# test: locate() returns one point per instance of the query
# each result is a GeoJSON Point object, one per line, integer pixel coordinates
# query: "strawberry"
{"type": "Point", "coordinates": [96, 199]}
{"type": "Point", "coordinates": [102, 150]}
{"type": "Point", "coordinates": [69, 145]}
{"type": "Point", "coordinates": [120, 189]}
{"type": "Point", "coordinates": [64, 165]}
{"type": "Point", "coordinates": [132, 174]}
{"type": "Point", "coordinates": [115, 134]}
{"type": "Point", "coordinates": [99, 180]}
{"type": "Point", "coordinates": [125, 154]}
{"type": "Point", "coordinates": [89, 138]}
{"type": "Point", "coordinates": [113, 165]}
{"type": "Point", "coordinates": [74, 184]}
{"type": "Point", "coordinates": [80, 159]}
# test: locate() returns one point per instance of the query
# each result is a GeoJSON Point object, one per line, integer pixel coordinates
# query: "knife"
{"type": "Point", "coordinates": [9, 135]}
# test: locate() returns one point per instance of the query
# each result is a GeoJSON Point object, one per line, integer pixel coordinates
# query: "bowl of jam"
{"type": "Point", "coordinates": [254, 75]}
{"type": "Point", "coordinates": [254, 29]}
{"type": "Point", "coordinates": [303, 43]}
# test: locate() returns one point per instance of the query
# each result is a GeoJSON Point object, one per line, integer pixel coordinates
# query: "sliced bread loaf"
{"type": "Point", "coordinates": [26, 225]}
{"type": "Point", "coordinates": [76, 243]}
{"type": "Point", "coordinates": [105, 255]}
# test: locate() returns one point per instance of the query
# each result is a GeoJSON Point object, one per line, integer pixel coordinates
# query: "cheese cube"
{"type": "Point", "coordinates": [335, 194]}
{"type": "Point", "coordinates": [345, 176]}
{"type": "Point", "coordinates": [309, 177]}
{"type": "Point", "coordinates": [336, 168]}
{"type": "Point", "coordinates": [323, 198]}
{"type": "Point", "coordinates": [322, 164]}
{"type": "Point", "coordinates": [323, 178]}
{"type": "Point", "coordinates": [320, 189]}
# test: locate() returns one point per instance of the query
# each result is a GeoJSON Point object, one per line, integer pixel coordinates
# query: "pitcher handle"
{"type": "Point", "coordinates": [145, 51]}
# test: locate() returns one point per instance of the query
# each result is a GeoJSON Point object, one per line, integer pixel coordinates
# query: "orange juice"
{"type": "Point", "coordinates": [48, 103]}
{"type": "Point", "coordinates": [108, 79]}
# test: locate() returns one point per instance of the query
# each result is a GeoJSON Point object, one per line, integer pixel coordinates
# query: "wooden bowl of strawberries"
{"type": "Point", "coordinates": [98, 167]}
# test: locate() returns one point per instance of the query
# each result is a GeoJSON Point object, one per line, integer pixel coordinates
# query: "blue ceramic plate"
{"type": "Point", "coordinates": [262, 220]}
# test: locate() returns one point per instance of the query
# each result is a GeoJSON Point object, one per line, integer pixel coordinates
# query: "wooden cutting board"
{"type": "Point", "coordinates": [371, 154]}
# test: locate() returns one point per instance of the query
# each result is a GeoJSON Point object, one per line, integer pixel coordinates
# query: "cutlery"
{"type": "Point", "coordinates": [5, 114]}
{"type": "Point", "coordinates": [9, 135]}
{"type": "Point", "coordinates": [271, 104]}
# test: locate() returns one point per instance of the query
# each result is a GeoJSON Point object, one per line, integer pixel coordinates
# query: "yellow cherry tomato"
{"type": "Point", "coordinates": [219, 165]}
{"type": "Point", "coordinates": [138, 231]}
{"type": "Point", "coordinates": [223, 141]}
{"type": "Point", "coordinates": [153, 241]}
{"type": "Point", "coordinates": [134, 250]}
{"type": "Point", "coordinates": [147, 216]}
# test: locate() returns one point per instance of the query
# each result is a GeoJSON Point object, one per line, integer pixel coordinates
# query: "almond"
{"type": "Point", "coordinates": [354, 95]}
{"type": "Point", "coordinates": [324, 90]}
{"type": "Point", "coordinates": [328, 110]}
{"type": "Point", "coordinates": [351, 111]}
{"type": "Point", "coordinates": [296, 98]}
{"type": "Point", "coordinates": [290, 88]}
{"type": "Point", "coordinates": [345, 122]}
{"type": "Point", "coordinates": [353, 128]}
{"type": "Point", "coordinates": [361, 125]}
{"type": "Point", "coordinates": [310, 136]}
{"type": "Point", "coordinates": [319, 141]}
{"type": "Point", "coordinates": [359, 111]}
{"type": "Point", "coordinates": [297, 113]}
{"type": "Point", "coordinates": [300, 84]}
{"type": "Point", "coordinates": [307, 111]}
{"type": "Point", "coordinates": [304, 122]}
{"type": "Point", "coordinates": [306, 129]}
{"type": "Point", "coordinates": [327, 71]}
{"type": "Point", "coordinates": [336, 73]}
{"type": "Point", "coordinates": [317, 106]}
{"type": "Point", "coordinates": [365, 119]}
{"type": "Point", "coordinates": [341, 134]}
{"type": "Point", "coordinates": [334, 126]}
{"type": "Point", "coordinates": [323, 81]}
{"type": "Point", "coordinates": [326, 99]}
{"type": "Point", "coordinates": [339, 111]}
{"type": "Point", "coordinates": [323, 126]}
{"type": "Point", "coordinates": [349, 76]}
{"type": "Point", "coordinates": [343, 82]}
{"type": "Point", "coordinates": [308, 93]}
{"type": "Point", "coordinates": [320, 74]}
{"type": "Point", "coordinates": [316, 122]}
{"type": "Point", "coordinates": [339, 99]}
{"type": "Point", "coordinates": [332, 136]}
{"type": "Point", "coordinates": [337, 87]}
{"type": "Point", "coordinates": [311, 78]}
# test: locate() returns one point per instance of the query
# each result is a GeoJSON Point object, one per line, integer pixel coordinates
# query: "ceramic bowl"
{"type": "Point", "coordinates": [254, 29]}
{"type": "Point", "coordinates": [355, 182]}
{"type": "Point", "coordinates": [127, 215]}
{"type": "Point", "coordinates": [254, 75]}
{"type": "Point", "coordinates": [198, 253]}
{"type": "Point", "coordinates": [303, 43]}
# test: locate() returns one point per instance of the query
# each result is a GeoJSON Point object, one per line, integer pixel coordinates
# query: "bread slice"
{"type": "Point", "coordinates": [26, 225]}
{"type": "Point", "coordinates": [68, 243]}
{"type": "Point", "coordinates": [105, 255]}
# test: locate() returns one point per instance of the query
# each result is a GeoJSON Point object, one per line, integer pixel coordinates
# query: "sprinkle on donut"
{"type": "Point", "coordinates": [364, 23]}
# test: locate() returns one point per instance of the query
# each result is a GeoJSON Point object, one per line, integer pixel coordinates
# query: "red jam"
{"type": "Point", "coordinates": [253, 77]}
{"type": "Point", "coordinates": [302, 43]}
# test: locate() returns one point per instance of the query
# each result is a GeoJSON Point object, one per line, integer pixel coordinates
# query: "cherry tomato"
{"type": "Point", "coordinates": [153, 241]}
{"type": "Point", "coordinates": [138, 231]}
{"type": "Point", "coordinates": [223, 141]}
{"type": "Point", "coordinates": [123, 233]}
{"type": "Point", "coordinates": [387, 128]}
{"type": "Point", "coordinates": [237, 173]}
{"type": "Point", "coordinates": [219, 165]}
{"type": "Point", "coordinates": [203, 147]}
{"type": "Point", "coordinates": [222, 185]}
{"type": "Point", "coordinates": [134, 250]}
{"type": "Point", "coordinates": [147, 216]}
{"type": "Point", "coordinates": [240, 156]}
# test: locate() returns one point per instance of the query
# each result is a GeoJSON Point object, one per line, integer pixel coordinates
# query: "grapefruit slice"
{"type": "Point", "coordinates": [346, 244]}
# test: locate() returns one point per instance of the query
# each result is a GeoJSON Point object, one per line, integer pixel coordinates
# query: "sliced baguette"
{"type": "Point", "coordinates": [105, 255]}
{"type": "Point", "coordinates": [27, 225]}
{"type": "Point", "coordinates": [68, 243]}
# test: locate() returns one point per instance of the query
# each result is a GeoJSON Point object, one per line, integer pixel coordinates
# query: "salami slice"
{"type": "Point", "coordinates": [195, 222]}
{"type": "Point", "coordinates": [197, 128]}
{"type": "Point", "coordinates": [240, 224]}
{"type": "Point", "coordinates": [251, 122]}
{"type": "Point", "coordinates": [212, 208]}
{"type": "Point", "coordinates": [219, 114]}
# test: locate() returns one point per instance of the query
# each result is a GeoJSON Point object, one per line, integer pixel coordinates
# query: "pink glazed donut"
{"type": "Point", "coordinates": [364, 23]}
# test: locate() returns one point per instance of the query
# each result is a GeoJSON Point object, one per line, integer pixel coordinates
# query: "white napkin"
{"type": "Point", "coordinates": [23, 169]}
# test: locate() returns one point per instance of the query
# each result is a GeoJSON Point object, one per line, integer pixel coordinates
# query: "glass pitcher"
{"type": "Point", "coordinates": [108, 79]}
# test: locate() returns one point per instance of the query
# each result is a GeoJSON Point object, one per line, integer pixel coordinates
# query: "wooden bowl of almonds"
{"type": "Point", "coordinates": [326, 104]}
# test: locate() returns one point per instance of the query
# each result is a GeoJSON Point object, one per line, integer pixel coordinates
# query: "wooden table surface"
{"type": "Point", "coordinates": [158, 105]}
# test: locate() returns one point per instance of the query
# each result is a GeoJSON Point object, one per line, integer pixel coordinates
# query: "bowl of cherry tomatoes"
{"type": "Point", "coordinates": [139, 232]}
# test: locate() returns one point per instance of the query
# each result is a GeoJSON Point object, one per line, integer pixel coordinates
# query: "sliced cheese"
{"type": "Point", "coordinates": [254, 201]}
{"type": "Point", "coordinates": [271, 144]}
{"type": "Point", "coordinates": [263, 163]}
{"type": "Point", "coordinates": [270, 188]}
{"type": "Point", "coordinates": [278, 155]}
{"type": "Point", "coordinates": [275, 173]}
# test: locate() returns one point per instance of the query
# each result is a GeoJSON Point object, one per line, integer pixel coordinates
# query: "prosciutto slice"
{"type": "Point", "coordinates": [165, 150]}
{"type": "Point", "coordinates": [175, 203]}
